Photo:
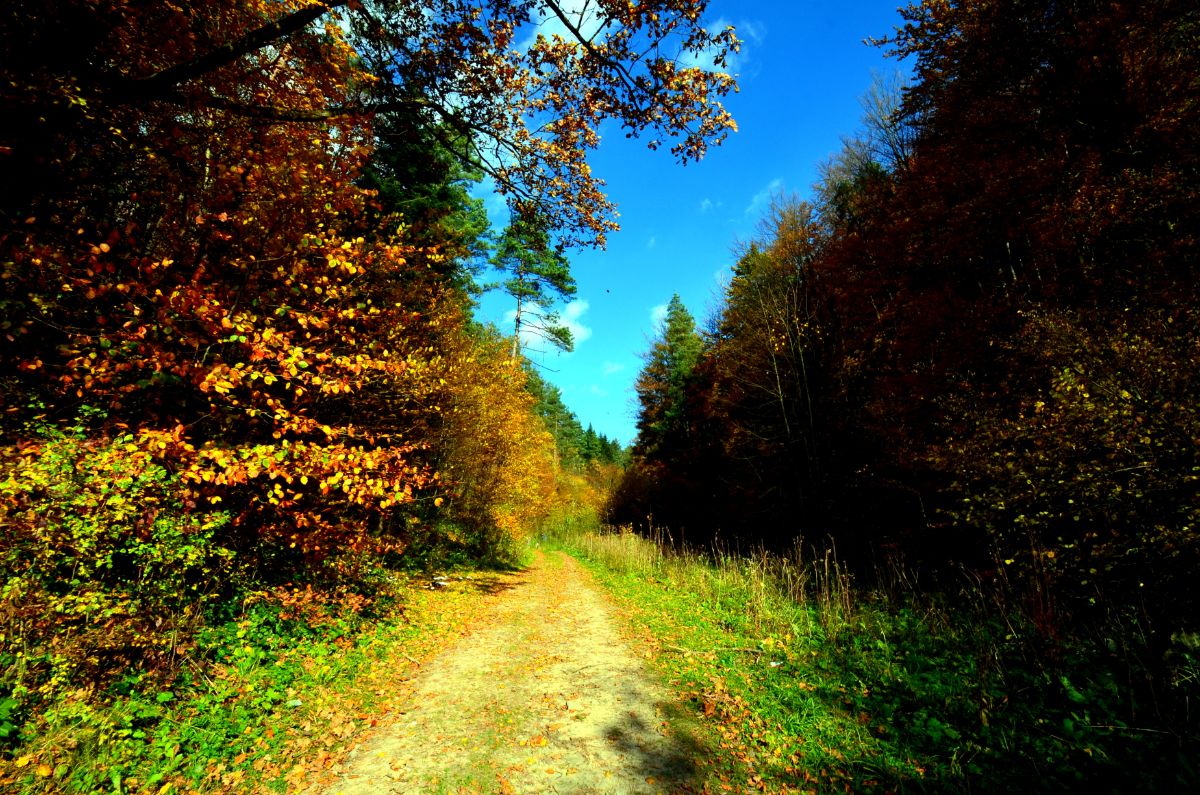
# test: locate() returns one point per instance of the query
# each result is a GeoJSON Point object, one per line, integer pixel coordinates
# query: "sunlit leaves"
{"type": "Point", "coordinates": [102, 561]}
{"type": "Point", "coordinates": [497, 457]}
{"type": "Point", "coordinates": [534, 99]}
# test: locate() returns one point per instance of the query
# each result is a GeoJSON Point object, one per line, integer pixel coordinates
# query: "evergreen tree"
{"type": "Point", "coordinates": [662, 384]}
{"type": "Point", "coordinates": [559, 420]}
{"type": "Point", "coordinates": [591, 444]}
{"type": "Point", "coordinates": [539, 276]}
{"type": "Point", "coordinates": [420, 180]}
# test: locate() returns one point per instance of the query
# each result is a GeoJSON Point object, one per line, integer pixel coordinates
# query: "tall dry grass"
{"type": "Point", "coordinates": [804, 587]}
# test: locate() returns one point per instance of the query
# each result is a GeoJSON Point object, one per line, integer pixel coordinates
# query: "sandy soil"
{"type": "Point", "coordinates": [546, 696]}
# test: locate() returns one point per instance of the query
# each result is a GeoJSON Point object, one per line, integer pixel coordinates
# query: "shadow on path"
{"type": "Point", "coordinates": [668, 766]}
{"type": "Point", "coordinates": [493, 584]}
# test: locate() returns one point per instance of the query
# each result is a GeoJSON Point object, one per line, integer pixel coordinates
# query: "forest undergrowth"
{"type": "Point", "coordinates": [811, 681]}
{"type": "Point", "coordinates": [272, 690]}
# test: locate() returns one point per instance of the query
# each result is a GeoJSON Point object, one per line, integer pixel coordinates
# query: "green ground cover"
{"type": "Point", "coordinates": [265, 702]}
{"type": "Point", "coordinates": [808, 683]}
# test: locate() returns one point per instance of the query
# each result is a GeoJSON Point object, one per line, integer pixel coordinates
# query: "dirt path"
{"type": "Point", "coordinates": [545, 697]}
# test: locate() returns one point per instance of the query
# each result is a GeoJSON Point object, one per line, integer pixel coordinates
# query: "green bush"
{"type": "Point", "coordinates": [1085, 473]}
{"type": "Point", "coordinates": [103, 566]}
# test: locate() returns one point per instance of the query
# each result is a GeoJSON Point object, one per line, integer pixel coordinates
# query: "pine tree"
{"type": "Point", "coordinates": [539, 277]}
{"type": "Point", "coordinates": [662, 384]}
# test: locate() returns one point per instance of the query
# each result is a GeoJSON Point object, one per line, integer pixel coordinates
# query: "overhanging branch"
{"type": "Point", "coordinates": [166, 80]}
{"type": "Point", "coordinates": [277, 114]}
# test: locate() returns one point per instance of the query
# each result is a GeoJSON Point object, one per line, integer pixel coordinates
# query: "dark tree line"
{"type": "Point", "coordinates": [577, 447]}
{"type": "Point", "coordinates": [979, 342]}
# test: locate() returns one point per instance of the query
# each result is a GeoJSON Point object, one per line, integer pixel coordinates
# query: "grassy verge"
{"type": "Point", "coordinates": [807, 684]}
{"type": "Point", "coordinates": [265, 702]}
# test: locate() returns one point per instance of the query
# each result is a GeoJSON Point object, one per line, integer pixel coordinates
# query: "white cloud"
{"type": "Point", "coordinates": [760, 201]}
{"type": "Point", "coordinates": [597, 391]}
{"type": "Point", "coordinates": [571, 319]}
{"type": "Point", "coordinates": [658, 315]}
{"type": "Point", "coordinates": [748, 31]}
{"type": "Point", "coordinates": [652, 242]}
{"type": "Point", "coordinates": [611, 368]}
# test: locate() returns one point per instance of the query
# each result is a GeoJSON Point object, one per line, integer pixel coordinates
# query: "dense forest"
{"type": "Point", "coordinates": [974, 351]}
{"type": "Point", "coordinates": [979, 340]}
{"type": "Point", "coordinates": [238, 249]}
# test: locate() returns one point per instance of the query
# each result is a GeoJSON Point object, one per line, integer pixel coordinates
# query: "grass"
{"type": "Point", "coordinates": [799, 680]}
{"type": "Point", "coordinates": [264, 704]}
{"type": "Point", "coordinates": [807, 683]}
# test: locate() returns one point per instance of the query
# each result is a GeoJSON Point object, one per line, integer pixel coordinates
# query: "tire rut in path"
{"type": "Point", "coordinates": [545, 697]}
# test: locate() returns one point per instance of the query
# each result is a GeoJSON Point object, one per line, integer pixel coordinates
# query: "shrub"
{"type": "Point", "coordinates": [104, 567]}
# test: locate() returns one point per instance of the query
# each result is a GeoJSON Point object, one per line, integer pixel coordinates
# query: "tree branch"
{"type": "Point", "coordinates": [273, 113]}
{"type": "Point", "coordinates": [164, 81]}
{"type": "Point", "coordinates": [622, 73]}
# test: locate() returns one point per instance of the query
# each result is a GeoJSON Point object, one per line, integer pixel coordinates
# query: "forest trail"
{"type": "Point", "coordinates": [545, 696]}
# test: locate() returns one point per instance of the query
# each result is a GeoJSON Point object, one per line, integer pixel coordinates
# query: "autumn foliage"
{"type": "Point", "coordinates": [977, 347]}
{"type": "Point", "coordinates": [231, 362]}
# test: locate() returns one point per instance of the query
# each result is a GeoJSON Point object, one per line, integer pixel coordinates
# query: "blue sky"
{"type": "Point", "coordinates": [801, 71]}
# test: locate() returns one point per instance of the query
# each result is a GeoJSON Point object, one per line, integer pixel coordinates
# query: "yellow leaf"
{"type": "Point", "coordinates": [44, 770]}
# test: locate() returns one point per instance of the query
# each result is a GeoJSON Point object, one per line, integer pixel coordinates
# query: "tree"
{"type": "Point", "coordinates": [527, 105]}
{"type": "Point", "coordinates": [849, 179]}
{"type": "Point", "coordinates": [759, 375]}
{"type": "Point", "coordinates": [890, 132]}
{"type": "Point", "coordinates": [498, 458]}
{"type": "Point", "coordinates": [539, 276]}
{"type": "Point", "coordinates": [559, 420]}
{"type": "Point", "coordinates": [662, 384]}
{"type": "Point", "coordinates": [422, 179]}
